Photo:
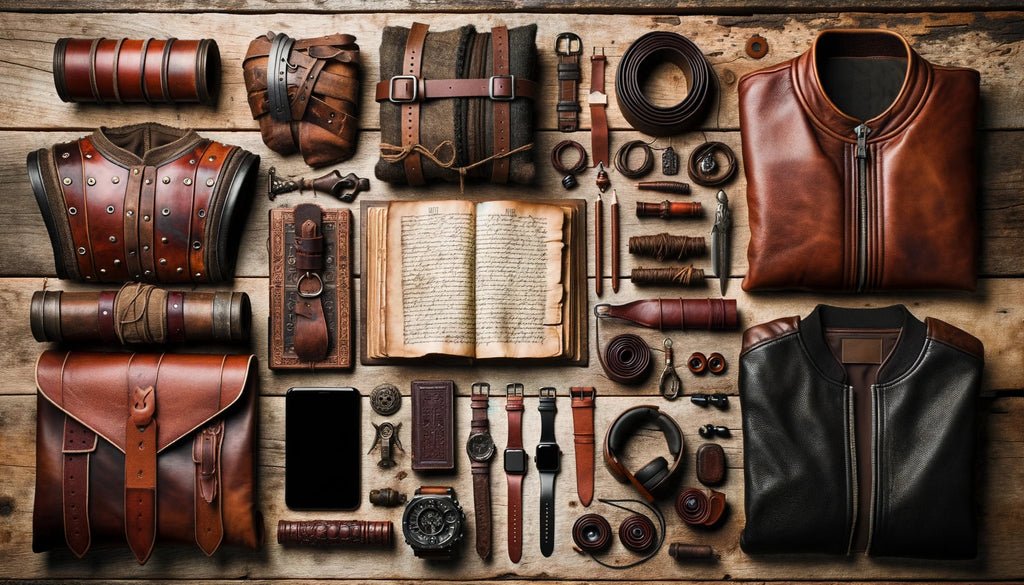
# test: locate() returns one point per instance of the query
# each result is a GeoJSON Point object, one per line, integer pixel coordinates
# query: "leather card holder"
{"type": "Point", "coordinates": [433, 425]}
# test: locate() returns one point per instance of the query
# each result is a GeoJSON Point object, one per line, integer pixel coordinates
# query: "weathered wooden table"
{"type": "Point", "coordinates": [980, 35]}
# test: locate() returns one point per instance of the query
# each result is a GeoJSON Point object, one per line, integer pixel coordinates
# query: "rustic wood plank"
{"type": "Point", "coordinates": [1001, 489]}
{"type": "Point", "coordinates": [21, 225]}
{"type": "Point", "coordinates": [989, 42]}
{"type": "Point", "coordinates": [994, 314]}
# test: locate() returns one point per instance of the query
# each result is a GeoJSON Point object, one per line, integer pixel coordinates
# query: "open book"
{"type": "Point", "coordinates": [496, 279]}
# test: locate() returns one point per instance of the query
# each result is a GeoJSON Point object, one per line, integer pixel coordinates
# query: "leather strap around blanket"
{"type": "Point", "coordinates": [140, 503]}
{"type": "Point", "coordinates": [310, 324]}
{"type": "Point", "coordinates": [502, 108]}
{"type": "Point", "coordinates": [410, 119]}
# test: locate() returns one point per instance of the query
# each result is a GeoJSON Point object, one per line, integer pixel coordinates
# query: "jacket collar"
{"type": "Point", "coordinates": [860, 43]}
{"type": "Point", "coordinates": [908, 347]}
{"type": "Point", "coordinates": [144, 144]}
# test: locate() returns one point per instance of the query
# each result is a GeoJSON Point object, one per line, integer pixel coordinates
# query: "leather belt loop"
{"type": "Point", "coordinates": [569, 77]}
{"type": "Point", "coordinates": [598, 100]}
{"type": "Point", "coordinates": [176, 316]}
{"type": "Point", "coordinates": [502, 108]}
{"type": "Point", "coordinates": [277, 77]}
{"type": "Point", "coordinates": [79, 442]}
{"type": "Point", "coordinates": [410, 117]}
{"type": "Point", "coordinates": [140, 467]}
{"type": "Point", "coordinates": [311, 338]}
{"type": "Point", "coordinates": [105, 317]}
{"type": "Point", "coordinates": [583, 441]}
{"type": "Point", "coordinates": [206, 454]}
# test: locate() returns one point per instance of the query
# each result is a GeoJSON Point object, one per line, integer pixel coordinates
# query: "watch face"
{"type": "Point", "coordinates": [515, 461]}
{"type": "Point", "coordinates": [548, 456]}
{"type": "Point", "coordinates": [432, 523]}
{"type": "Point", "coordinates": [480, 447]}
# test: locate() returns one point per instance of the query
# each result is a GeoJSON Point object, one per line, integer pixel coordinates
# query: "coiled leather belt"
{"type": "Point", "coordinates": [627, 359]}
{"type": "Point", "coordinates": [648, 50]}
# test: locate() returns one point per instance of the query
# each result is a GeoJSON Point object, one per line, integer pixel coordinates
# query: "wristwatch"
{"type": "Point", "coordinates": [433, 523]}
{"type": "Point", "coordinates": [480, 448]}
{"type": "Point", "coordinates": [548, 462]}
{"type": "Point", "coordinates": [515, 469]}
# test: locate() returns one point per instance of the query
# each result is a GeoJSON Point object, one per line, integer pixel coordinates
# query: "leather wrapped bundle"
{"type": "Point", "coordinates": [452, 104]}
{"type": "Point", "coordinates": [153, 71]}
{"type": "Point", "coordinates": [145, 447]}
{"type": "Point", "coordinates": [146, 202]}
{"type": "Point", "coordinates": [305, 94]}
{"type": "Point", "coordinates": [140, 313]}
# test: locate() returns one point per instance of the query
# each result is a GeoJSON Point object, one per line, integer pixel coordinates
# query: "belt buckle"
{"type": "Point", "coordinates": [569, 39]}
{"type": "Point", "coordinates": [415, 89]}
{"type": "Point", "coordinates": [512, 85]}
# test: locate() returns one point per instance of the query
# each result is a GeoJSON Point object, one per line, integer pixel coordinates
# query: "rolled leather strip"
{"type": "Point", "coordinates": [335, 533]}
{"type": "Point", "coordinates": [711, 314]}
{"type": "Point", "coordinates": [699, 507]}
{"type": "Point", "coordinates": [669, 209]}
{"type": "Point", "coordinates": [123, 71]}
{"type": "Point", "coordinates": [592, 533]}
{"type": "Point", "coordinates": [637, 533]}
{"type": "Point", "coordinates": [142, 314]}
{"type": "Point", "coordinates": [627, 359]}
{"type": "Point", "coordinates": [645, 53]}
{"type": "Point", "coordinates": [682, 551]}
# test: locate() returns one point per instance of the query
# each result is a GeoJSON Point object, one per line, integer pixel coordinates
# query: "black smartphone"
{"type": "Point", "coordinates": [322, 455]}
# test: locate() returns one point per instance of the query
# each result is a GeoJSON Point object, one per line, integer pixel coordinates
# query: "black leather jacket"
{"type": "Point", "coordinates": [859, 434]}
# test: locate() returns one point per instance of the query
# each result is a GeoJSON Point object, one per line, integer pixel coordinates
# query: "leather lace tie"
{"type": "Point", "coordinates": [641, 56]}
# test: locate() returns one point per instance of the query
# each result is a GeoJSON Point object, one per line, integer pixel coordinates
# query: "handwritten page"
{"type": "Point", "coordinates": [430, 294]}
{"type": "Point", "coordinates": [519, 289]}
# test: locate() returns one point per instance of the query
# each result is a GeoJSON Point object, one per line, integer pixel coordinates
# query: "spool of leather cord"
{"type": "Point", "coordinates": [682, 276]}
{"type": "Point", "coordinates": [669, 209]}
{"type": "Point", "coordinates": [622, 159]}
{"type": "Point", "coordinates": [592, 533]}
{"type": "Point", "coordinates": [637, 533]}
{"type": "Point", "coordinates": [627, 359]}
{"type": "Point", "coordinates": [704, 168]}
{"type": "Point", "coordinates": [569, 172]}
{"type": "Point", "coordinates": [335, 533]}
{"type": "Point", "coordinates": [665, 246]}
{"type": "Point", "coordinates": [682, 551]}
{"type": "Point", "coordinates": [642, 56]}
{"type": "Point", "coordinates": [699, 507]}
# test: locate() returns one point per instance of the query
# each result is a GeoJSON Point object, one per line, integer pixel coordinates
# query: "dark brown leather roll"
{"type": "Point", "coordinates": [335, 533]}
{"type": "Point", "coordinates": [711, 314]}
{"type": "Point", "coordinates": [152, 71]}
{"type": "Point", "coordinates": [140, 313]}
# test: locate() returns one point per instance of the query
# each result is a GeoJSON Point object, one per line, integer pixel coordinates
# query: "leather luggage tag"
{"type": "Point", "coordinates": [861, 351]}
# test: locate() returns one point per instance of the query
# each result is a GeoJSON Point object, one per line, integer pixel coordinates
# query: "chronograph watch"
{"type": "Point", "coordinates": [433, 523]}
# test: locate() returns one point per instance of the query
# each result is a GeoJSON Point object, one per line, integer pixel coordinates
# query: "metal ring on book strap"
{"type": "Point", "coordinates": [277, 77]}
{"type": "Point", "coordinates": [310, 295]}
{"type": "Point", "coordinates": [643, 54]}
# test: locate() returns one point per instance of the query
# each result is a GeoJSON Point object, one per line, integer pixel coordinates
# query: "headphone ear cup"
{"type": "Point", "coordinates": [652, 473]}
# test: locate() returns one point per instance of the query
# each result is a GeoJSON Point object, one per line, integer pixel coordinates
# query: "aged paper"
{"type": "Point", "coordinates": [519, 289]}
{"type": "Point", "coordinates": [429, 299]}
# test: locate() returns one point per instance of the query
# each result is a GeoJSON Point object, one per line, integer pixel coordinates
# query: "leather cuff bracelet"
{"type": "Point", "coordinates": [122, 71]}
{"type": "Point", "coordinates": [335, 533]}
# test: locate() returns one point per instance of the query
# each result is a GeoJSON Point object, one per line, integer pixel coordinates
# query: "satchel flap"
{"type": "Point", "coordinates": [190, 390]}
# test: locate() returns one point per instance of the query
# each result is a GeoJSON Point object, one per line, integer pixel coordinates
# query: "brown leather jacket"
{"type": "Point", "coordinates": [860, 164]}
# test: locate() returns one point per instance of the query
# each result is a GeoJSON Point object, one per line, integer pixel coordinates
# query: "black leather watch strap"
{"type": "Point", "coordinates": [547, 466]}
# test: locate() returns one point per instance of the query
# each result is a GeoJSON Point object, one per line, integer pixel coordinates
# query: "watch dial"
{"type": "Point", "coordinates": [432, 523]}
{"type": "Point", "coordinates": [480, 447]}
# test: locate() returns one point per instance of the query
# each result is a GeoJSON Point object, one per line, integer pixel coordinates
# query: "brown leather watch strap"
{"type": "Point", "coordinates": [514, 407]}
{"type": "Point", "coordinates": [598, 116]}
{"type": "Point", "coordinates": [140, 481]}
{"type": "Point", "coordinates": [311, 339]}
{"type": "Point", "coordinates": [79, 442]}
{"type": "Point", "coordinates": [569, 76]}
{"type": "Point", "coordinates": [410, 119]}
{"type": "Point", "coordinates": [583, 440]}
{"type": "Point", "coordinates": [481, 476]}
{"type": "Point", "coordinates": [502, 108]}
{"type": "Point", "coordinates": [206, 446]}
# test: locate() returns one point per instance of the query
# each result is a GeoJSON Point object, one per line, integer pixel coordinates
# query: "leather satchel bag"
{"type": "Point", "coordinates": [305, 94]}
{"type": "Point", "coordinates": [145, 447]}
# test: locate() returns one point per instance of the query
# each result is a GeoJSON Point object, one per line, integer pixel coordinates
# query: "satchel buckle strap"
{"type": "Point", "coordinates": [501, 88]}
{"type": "Point", "coordinates": [403, 89]}
{"type": "Point", "coordinates": [79, 442]}
{"type": "Point", "coordinates": [209, 524]}
{"type": "Point", "coordinates": [143, 406]}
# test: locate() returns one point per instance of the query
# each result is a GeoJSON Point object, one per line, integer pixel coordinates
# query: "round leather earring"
{"type": "Point", "coordinates": [697, 363]}
{"type": "Point", "coordinates": [716, 363]}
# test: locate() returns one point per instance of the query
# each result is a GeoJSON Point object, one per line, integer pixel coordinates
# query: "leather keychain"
{"type": "Point", "coordinates": [310, 325]}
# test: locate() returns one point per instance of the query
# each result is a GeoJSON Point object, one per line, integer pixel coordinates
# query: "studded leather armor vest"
{"type": "Point", "coordinates": [145, 202]}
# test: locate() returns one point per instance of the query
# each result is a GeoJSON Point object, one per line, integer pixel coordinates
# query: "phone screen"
{"type": "Point", "coordinates": [323, 458]}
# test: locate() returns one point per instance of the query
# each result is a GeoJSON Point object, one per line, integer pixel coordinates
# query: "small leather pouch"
{"type": "Point", "coordinates": [305, 95]}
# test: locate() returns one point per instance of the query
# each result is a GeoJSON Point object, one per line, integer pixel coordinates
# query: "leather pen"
{"type": "Point", "coordinates": [615, 241]}
{"type": "Point", "coordinates": [598, 269]}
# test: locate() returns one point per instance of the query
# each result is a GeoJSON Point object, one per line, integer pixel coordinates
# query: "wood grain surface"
{"type": "Point", "coordinates": [976, 34]}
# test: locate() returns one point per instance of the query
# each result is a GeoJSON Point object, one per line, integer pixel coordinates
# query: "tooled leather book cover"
{"type": "Point", "coordinates": [336, 297]}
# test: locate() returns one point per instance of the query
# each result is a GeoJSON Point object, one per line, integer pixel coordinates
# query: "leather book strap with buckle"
{"type": "Point", "coordinates": [310, 325]}
{"type": "Point", "coordinates": [410, 119]}
{"type": "Point", "coordinates": [583, 440]}
{"type": "Point", "coordinates": [598, 118]}
{"type": "Point", "coordinates": [79, 442]}
{"type": "Point", "coordinates": [140, 481]}
{"type": "Point", "coordinates": [569, 76]}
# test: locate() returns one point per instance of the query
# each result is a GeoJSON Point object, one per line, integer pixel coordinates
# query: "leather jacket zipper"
{"type": "Point", "coordinates": [862, 132]}
{"type": "Point", "coordinates": [875, 437]}
{"type": "Point", "coordinates": [851, 422]}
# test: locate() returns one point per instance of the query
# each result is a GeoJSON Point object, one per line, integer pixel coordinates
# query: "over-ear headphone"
{"type": "Point", "coordinates": [651, 477]}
